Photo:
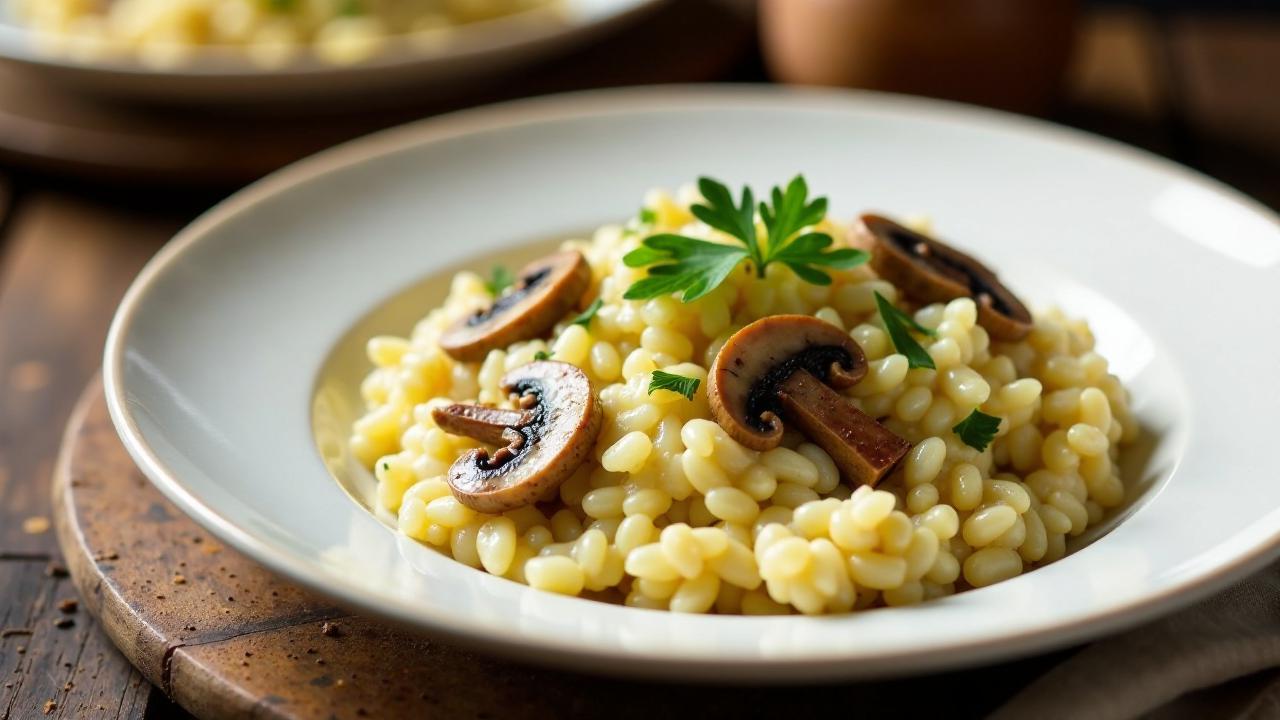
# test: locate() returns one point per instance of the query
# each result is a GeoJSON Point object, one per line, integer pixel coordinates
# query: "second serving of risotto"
{"type": "Point", "coordinates": [740, 407]}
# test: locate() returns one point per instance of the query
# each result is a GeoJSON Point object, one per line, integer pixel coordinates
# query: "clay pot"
{"type": "Point", "coordinates": [1004, 53]}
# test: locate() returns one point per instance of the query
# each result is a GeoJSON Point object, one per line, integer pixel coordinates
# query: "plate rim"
{"type": "Point", "coordinates": [1191, 588]}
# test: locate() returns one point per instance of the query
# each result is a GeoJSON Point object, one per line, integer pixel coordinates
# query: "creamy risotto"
{"type": "Point", "coordinates": [165, 32]}
{"type": "Point", "coordinates": [839, 417]}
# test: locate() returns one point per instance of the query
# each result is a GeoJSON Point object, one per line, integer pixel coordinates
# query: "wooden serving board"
{"type": "Point", "coordinates": [225, 638]}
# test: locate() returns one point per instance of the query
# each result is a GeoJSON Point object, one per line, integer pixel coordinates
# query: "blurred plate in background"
{"type": "Point", "coordinates": [210, 75]}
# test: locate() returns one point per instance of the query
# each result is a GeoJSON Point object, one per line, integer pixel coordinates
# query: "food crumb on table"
{"type": "Point", "coordinates": [35, 525]}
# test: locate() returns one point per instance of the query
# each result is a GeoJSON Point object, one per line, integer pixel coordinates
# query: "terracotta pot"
{"type": "Point", "coordinates": [1005, 53]}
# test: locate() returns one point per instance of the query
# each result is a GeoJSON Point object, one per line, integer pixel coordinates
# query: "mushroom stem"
{"type": "Point", "coordinates": [864, 450]}
{"type": "Point", "coordinates": [538, 446]}
{"type": "Point", "coordinates": [487, 424]}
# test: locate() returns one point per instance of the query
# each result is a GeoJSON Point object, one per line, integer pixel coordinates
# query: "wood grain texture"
{"type": "Point", "coordinates": [75, 668]}
{"type": "Point", "coordinates": [65, 263]}
{"type": "Point", "coordinates": [226, 639]}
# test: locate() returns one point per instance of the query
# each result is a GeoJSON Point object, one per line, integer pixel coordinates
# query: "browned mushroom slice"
{"type": "Point", "coordinates": [744, 378]}
{"type": "Point", "coordinates": [783, 368]}
{"type": "Point", "coordinates": [929, 270]}
{"type": "Point", "coordinates": [545, 290]}
{"type": "Point", "coordinates": [861, 447]}
{"type": "Point", "coordinates": [541, 446]}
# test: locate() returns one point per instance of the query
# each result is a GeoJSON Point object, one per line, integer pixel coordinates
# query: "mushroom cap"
{"type": "Point", "coordinates": [756, 360]}
{"type": "Point", "coordinates": [557, 435]}
{"type": "Point", "coordinates": [545, 290]}
{"type": "Point", "coordinates": [929, 270]}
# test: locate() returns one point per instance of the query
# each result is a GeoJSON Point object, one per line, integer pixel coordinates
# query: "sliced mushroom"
{"type": "Point", "coordinates": [545, 290]}
{"type": "Point", "coordinates": [929, 270]}
{"type": "Point", "coordinates": [542, 444]}
{"type": "Point", "coordinates": [788, 368]}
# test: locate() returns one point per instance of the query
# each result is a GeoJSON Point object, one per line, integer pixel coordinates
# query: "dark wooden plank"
{"type": "Point", "coordinates": [65, 265]}
{"type": "Point", "coordinates": [72, 671]}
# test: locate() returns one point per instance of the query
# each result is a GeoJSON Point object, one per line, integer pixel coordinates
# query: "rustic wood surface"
{"type": "Point", "coordinates": [225, 638]}
{"type": "Point", "coordinates": [66, 262]}
{"type": "Point", "coordinates": [1199, 89]}
{"type": "Point", "coordinates": [44, 126]}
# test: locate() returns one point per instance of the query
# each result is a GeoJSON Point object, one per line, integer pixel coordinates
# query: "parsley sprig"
{"type": "Point", "coordinates": [696, 267]}
{"type": "Point", "coordinates": [977, 430]}
{"type": "Point", "coordinates": [899, 326]}
{"type": "Point", "coordinates": [584, 318]}
{"type": "Point", "coordinates": [685, 386]}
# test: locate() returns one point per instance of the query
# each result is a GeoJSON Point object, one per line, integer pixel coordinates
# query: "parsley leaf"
{"type": "Point", "coordinates": [648, 216]}
{"type": "Point", "coordinates": [679, 263]}
{"type": "Point", "coordinates": [542, 355]}
{"type": "Point", "coordinates": [978, 430]}
{"type": "Point", "coordinates": [791, 211]}
{"type": "Point", "coordinates": [811, 249]}
{"type": "Point", "coordinates": [899, 326]}
{"type": "Point", "coordinates": [721, 214]}
{"type": "Point", "coordinates": [584, 319]}
{"type": "Point", "coordinates": [500, 279]}
{"type": "Point", "coordinates": [697, 267]}
{"type": "Point", "coordinates": [686, 386]}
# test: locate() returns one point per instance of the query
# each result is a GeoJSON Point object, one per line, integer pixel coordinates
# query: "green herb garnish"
{"type": "Point", "coordinates": [696, 267]}
{"type": "Point", "coordinates": [584, 319]}
{"type": "Point", "coordinates": [978, 430]}
{"type": "Point", "coordinates": [542, 355]}
{"type": "Point", "coordinates": [686, 386]}
{"type": "Point", "coordinates": [500, 279]}
{"type": "Point", "coordinates": [899, 326]}
{"type": "Point", "coordinates": [386, 466]}
{"type": "Point", "coordinates": [648, 216]}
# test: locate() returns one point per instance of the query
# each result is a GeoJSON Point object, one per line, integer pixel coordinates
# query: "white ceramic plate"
{"type": "Point", "coordinates": [221, 353]}
{"type": "Point", "coordinates": [227, 75]}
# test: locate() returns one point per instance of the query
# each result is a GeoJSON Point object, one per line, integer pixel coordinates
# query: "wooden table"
{"type": "Point", "coordinates": [1199, 89]}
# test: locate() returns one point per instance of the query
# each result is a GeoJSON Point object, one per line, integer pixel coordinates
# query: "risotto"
{"type": "Point", "coordinates": [747, 409]}
{"type": "Point", "coordinates": [272, 32]}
